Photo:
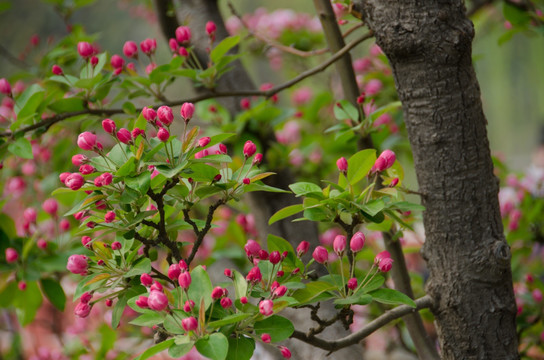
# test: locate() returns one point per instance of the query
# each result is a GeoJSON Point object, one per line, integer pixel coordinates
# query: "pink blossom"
{"type": "Point", "coordinates": [252, 248]}
{"type": "Point", "coordinates": [41, 243]}
{"type": "Point", "coordinates": [254, 275]}
{"type": "Point", "coordinates": [183, 35]}
{"type": "Point", "coordinates": [249, 149]}
{"type": "Point", "coordinates": [79, 159]}
{"type": "Point", "coordinates": [85, 49]}
{"type": "Point", "coordinates": [130, 49]}
{"type": "Point", "coordinates": [143, 302]}
{"type": "Point", "coordinates": [86, 141]}
{"type": "Point", "coordinates": [321, 255]}
{"type": "Point", "coordinates": [296, 158]}
{"type": "Point", "coordinates": [266, 307]}
{"type": "Point", "coordinates": [226, 303]}
{"type": "Point", "coordinates": [30, 215]}
{"type": "Point", "coordinates": [165, 114]}
{"type": "Point", "coordinates": [204, 141]}
{"type": "Point", "coordinates": [11, 255]}
{"type": "Point", "coordinates": [184, 279]}
{"type": "Point", "coordinates": [82, 310]}
{"type": "Point", "coordinates": [357, 242]}
{"type": "Point", "coordinates": [51, 206]}
{"type": "Point", "coordinates": [279, 291]}
{"type": "Point", "coordinates": [383, 255]}
{"type": "Point", "coordinates": [173, 45]}
{"type": "Point", "coordinates": [157, 300]}
{"type": "Point", "coordinates": [285, 352]}
{"type": "Point", "coordinates": [342, 165]}
{"type": "Point", "coordinates": [302, 96]}
{"type": "Point", "coordinates": [385, 264]}
{"type": "Point", "coordinates": [211, 28]}
{"type": "Point", "coordinates": [109, 217]}
{"type": "Point", "coordinates": [124, 136]}
{"type": "Point", "coordinates": [265, 338]}
{"type": "Point", "coordinates": [146, 280]}
{"type": "Point", "coordinates": [148, 46]}
{"type": "Point", "coordinates": [373, 87]}
{"type": "Point", "coordinates": [362, 65]}
{"type": "Point", "coordinates": [163, 135]}
{"type": "Point", "coordinates": [187, 111]}
{"type": "Point", "coordinates": [74, 181]}
{"type": "Point", "coordinates": [5, 87]}
{"type": "Point", "coordinates": [64, 225]}
{"type": "Point", "coordinates": [109, 126]}
{"type": "Point", "coordinates": [339, 245]}
{"type": "Point", "coordinates": [149, 114]}
{"type": "Point", "coordinates": [352, 283]}
{"type": "Point", "coordinates": [245, 104]}
{"type": "Point", "coordinates": [77, 264]}
{"type": "Point", "coordinates": [117, 62]}
{"type": "Point", "coordinates": [86, 169]}
{"type": "Point", "coordinates": [189, 324]}
{"type": "Point", "coordinates": [56, 70]}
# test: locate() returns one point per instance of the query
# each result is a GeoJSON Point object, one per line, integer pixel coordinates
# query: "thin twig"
{"type": "Point", "coordinates": [204, 231]}
{"type": "Point", "coordinates": [393, 314]}
{"type": "Point", "coordinates": [13, 59]}
{"type": "Point", "coordinates": [48, 122]}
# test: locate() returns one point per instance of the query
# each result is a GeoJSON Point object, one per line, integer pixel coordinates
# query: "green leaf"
{"type": "Point", "coordinates": [312, 290]}
{"type": "Point", "coordinates": [216, 159]}
{"type": "Point", "coordinates": [360, 164]}
{"type": "Point", "coordinates": [21, 148]}
{"type": "Point", "coordinates": [241, 348]}
{"type": "Point", "coordinates": [27, 303]}
{"type": "Point", "coordinates": [230, 319]}
{"type": "Point", "coordinates": [285, 212]}
{"type": "Point", "coordinates": [361, 299]}
{"type": "Point", "coordinates": [148, 319]}
{"type": "Point", "coordinates": [223, 47]}
{"type": "Point", "coordinates": [67, 105]}
{"type": "Point", "coordinates": [178, 350]}
{"type": "Point", "coordinates": [29, 101]}
{"type": "Point", "coordinates": [143, 265]}
{"type": "Point", "coordinates": [201, 286]}
{"type": "Point", "coordinates": [392, 297]}
{"type": "Point", "coordinates": [376, 282]}
{"type": "Point", "coordinates": [127, 168]}
{"type": "Point", "coordinates": [384, 109]}
{"type": "Point", "coordinates": [261, 187]}
{"type": "Point", "coordinates": [515, 15]}
{"type": "Point", "coordinates": [140, 182]}
{"type": "Point", "coordinates": [169, 172]}
{"type": "Point", "coordinates": [240, 284]}
{"type": "Point", "coordinates": [303, 188]}
{"type": "Point", "coordinates": [373, 207]}
{"type": "Point", "coordinates": [215, 347]}
{"type": "Point", "coordinates": [4, 5]}
{"type": "Point", "coordinates": [129, 108]}
{"type": "Point", "coordinates": [54, 293]}
{"type": "Point", "coordinates": [277, 326]}
{"type": "Point", "coordinates": [407, 206]}
{"type": "Point", "coordinates": [345, 110]}
{"type": "Point", "coordinates": [276, 243]}
{"type": "Point", "coordinates": [155, 349]}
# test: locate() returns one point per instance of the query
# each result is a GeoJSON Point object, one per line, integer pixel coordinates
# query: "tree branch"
{"type": "Point", "coordinates": [12, 59]}
{"type": "Point", "coordinates": [384, 319]}
{"type": "Point", "coordinates": [48, 122]}
{"type": "Point", "coordinates": [204, 231]}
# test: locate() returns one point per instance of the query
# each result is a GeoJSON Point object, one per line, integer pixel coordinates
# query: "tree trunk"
{"type": "Point", "coordinates": [428, 44]}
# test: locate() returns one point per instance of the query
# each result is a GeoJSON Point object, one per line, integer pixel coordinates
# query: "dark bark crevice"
{"type": "Point", "coordinates": [429, 47]}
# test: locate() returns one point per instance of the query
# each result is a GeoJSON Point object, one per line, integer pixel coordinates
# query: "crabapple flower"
{"type": "Point", "coordinates": [394, 182]}
{"type": "Point", "coordinates": [226, 303]}
{"type": "Point", "coordinates": [143, 302]}
{"type": "Point", "coordinates": [130, 49]}
{"type": "Point", "coordinates": [11, 255]}
{"type": "Point", "coordinates": [174, 271]}
{"type": "Point", "coordinates": [279, 291]}
{"type": "Point", "coordinates": [109, 126]}
{"type": "Point", "coordinates": [156, 286]}
{"type": "Point", "coordinates": [321, 255]}
{"type": "Point", "coordinates": [56, 70]}
{"type": "Point", "coordinates": [146, 280]}
{"type": "Point", "coordinates": [41, 244]}
{"type": "Point", "coordinates": [117, 62]}
{"type": "Point", "coordinates": [163, 135]}
{"type": "Point", "coordinates": [85, 241]}
{"type": "Point", "coordinates": [183, 35]}
{"type": "Point", "coordinates": [254, 275]}
{"type": "Point", "coordinates": [184, 279]}
{"type": "Point", "coordinates": [303, 248]}
{"type": "Point", "coordinates": [204, 141]}
{"type": "Point", "coordinates": [266, 307]}
{"type": "Point", "coordinates": [385, 264]}
{"type": "Point", "coordinates": [86, 169]}
{"type": "Point", "coordinates": [5, 87]}
{"type": "Point", "coordinates": [383, 255]}
{"type": "Point", "coordinates": [189, 324]}
{"type": "Point", "coordinates": [124, 136]}
{"type": "Point", "coordinates": [51, 206]}
{"type": "Point", "coordinates": [252, 248]}
{"type": "Point", "coordinates": [82, 310]}
{"type": "Point", "coordinates": [211, 28]}
{"type": "Point", "coordinates": [285, 352]}
{"type": "Point", "coordinates": [148, 46]}
{"type": "Point", "coordinates": [149, 114]}
{"type": "Point", "coordinates": [246, 181]}
{"type": "Point", "coordinates": [157, 300]}
{"type": "Point", "coordinates": [384, 161]}
{"type": "Point", "coordinates": [266, 338]}
{"type": "Point", "coordinates": [342, 165]}
{"type": "Point", "coordinates": [245, 104]}
{"type": "Point", "coordinates": [243, 300]}
{"type": "Point", "coordinates": [249, 149]}
{"type": "Point", "coordinates": [339, 245]}
{"type": "Point", "coordinates": [116, 245]}
{"type": "Point", "coordinates": [77, 264]}
{"type": "Point", "coordinates": [187, 111]}
{"type": "Point", "coordinates": [79, 159]}
{"type": "Point", "coordinates": [85, 49]}
{"type": "Point", "coordinates": [357, 241]}
{"type": "Point", "coordinates": [86, 297]}
{"type": "Point", "coordinates": [22, 285]}
{"type": "Point", "coordinates": [165, 115]}
{"type": "Point", "coordinates": [188, 306]}
{"type": "Point", "coordinates": [74, 181]}
{"type": "Point", "coordinates": [257, 159]}
{"type": "Point", "coordinates": [86, 141]}
{"type": "Point", "coordinates": [352, 283]}
{"type": "Point", "coordinates": [30, 215]}
{"type": "Point", "coordinates": [275, 257]}
{"type": "Point", "coordinates": [217, 292]}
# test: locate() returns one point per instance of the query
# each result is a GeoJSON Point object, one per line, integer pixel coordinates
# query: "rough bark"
{"type": "Point", "coordinates": [428, 44]}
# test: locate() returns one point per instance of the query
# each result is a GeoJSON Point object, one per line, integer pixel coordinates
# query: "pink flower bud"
{"type": "Point", "coordinates": [184, 279]}
{"type": "Point", "coordinates": [173, 45]}
{"type": "Point", "coordinates": [148, 46]}
{"type": "Point", "coordinates": [174, 271]}
{"type": "Point", "coordinates": [183, 52]}
{"type": "Point", "coordinates": [63, 176]}
{"type": "Point", "coordinates": [79, 159]}
{"type": "Point", "coordinates": [339, 245]}
{"type": "Point", "coordinates": [226, 303]}
{"type": "Point", "coordinates": [252, 248]}
{"type": "Point", "coordinates": [183, 35]}
{"type": "Point", "coordinates": [383, 255]}
{"type": "Point", "coordinates": [361, 98]}
{"type": "Point", "coordinates": [77, 264]}
{"type": "Point", "coordinates": [130, 49]}
{"type": "Point", "coordinates": [279, 291]}
{"type": "Point", "coordinates": [149, 68]}
{"type": "Point", "coordinates": [280, 273]}
{"type": "Point", "coordinates": [223, 148]}
{"type": "Point", "coordinates": [142, 302]}
{"type": "Point", "coordinates": [246, 181]}
{"type": "Point", "coordinates": [56, 70]}
{"type": "Point", "coordinates": [109, 302]}
{"type": "Point", "coordinates": [266, 338]}
{"type": "Point", "coordinates": [22, 285]}
{"type": "Point", "coordinates": [357, 242]}
{"type": "Point", "coordinates": [217, 292]}
{"type": "Point", "coordinates": [254, 275]}
{"type": "Point", "coordinates": [116, 245]}
{"type": "Point", "coordinates": [85, 49]}
{"type": "Point", "coordinates": [385, 264]}
{"type": "Point", "coordinates": [394, 182]}
{"type": "Point", "coordinates": [86, 169]}
{"type": "Point", "coordinates": [146, 280]}
{"type": "Point", "coordinates": [257, 159]}
{"type": "Point", "coordinates": [189, 324]}
{"type": "Point", "coordinates": [11, 255]}
{"type": "Point", "coordinates": [94, 61]}
{"type": "Point", "coordinates": [266, 307]}
{"type": "Point", "coordinates": [165, 114]}
{"type": "Point", "coordinates": [149, 114]}
{"type": "Point", "coordinates": [64, 225]}
{"type": "Point", "coordinates": [342, 165]}
{"type": "Point", "coordinates": [189, 305]}
{"type": "Point", "coordinates": [85, 241]}
{"type": "Point", "coordinates": [187, 111]}
{"type": "Point", "coordinates": [245, 104]}
{"type": "Point", "coordinates": [249, 149]}
{"type": "Point", "coordinates": [157, 300]}
{"type": "Point", "coordinates": [275, 257]}
{"type": "Point", "coordinates": [303, 248]}
{"type": "Point", "coordinates": [384, 161]}
{"type": "Point", "coordinates": [109, 126]}
{"type": "Point", "coordinates": [285, 352]}
{"type": "Point", "coordinates": [228, 273]}
{"type": "Point", "coordinates": [156, 286]}
{"type": "Point", "coordinates": [107, 178]}
{"type": "Point", "coordinates": [51, 206]}
{"type": "Point", "coordinates": [86, 297]}
{"type": "Point", "coordinates": [74, 181]}
{"type": "Point", "coordinates": [321, 255]}
{"type": "Point", "coordinates": [82, 310]}
{"type": "Point", "coordinates": [204, 141]}
{"type": "Point", "coordinates": [124, 136]}
{"type": "Point", "coordinates": [183, 265]}
{"type": "Point", "coordinates": [117, 62]}
{"type": "Point", "coordinates": [137, 132]}
{"type": "Point", "coordinates": [30, 215]}
{"type": "Point", "coordinates": [243, 300]}
{"type": "Point", "coordinates": [263, 254]}
{"type": "Point", "coordinates": [537, 295]}
{"type": "Point", "coordinates": [211, 28]}
{"type": "Point", "coordinates": [41, 244]}
{"type": "Point", "coordinates": [86, 141]}
{"type": "Point", "coordinates": [5, 87]}
{"type": "Point", "coordinates": [352, 283]}
{"type": "Point", "coordinates": [163, 135]}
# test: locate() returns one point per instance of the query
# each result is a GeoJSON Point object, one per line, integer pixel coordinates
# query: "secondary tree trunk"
{"type": "Point", "coordinates": [428, 44]}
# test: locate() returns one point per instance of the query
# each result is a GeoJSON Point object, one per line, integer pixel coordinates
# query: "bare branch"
{"type": "Point", "coordinates": [13, 59]}
{"type": "Point", "coordinates": [379, 322]}
{"type": "Point", "coordinates": [204, 231]}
